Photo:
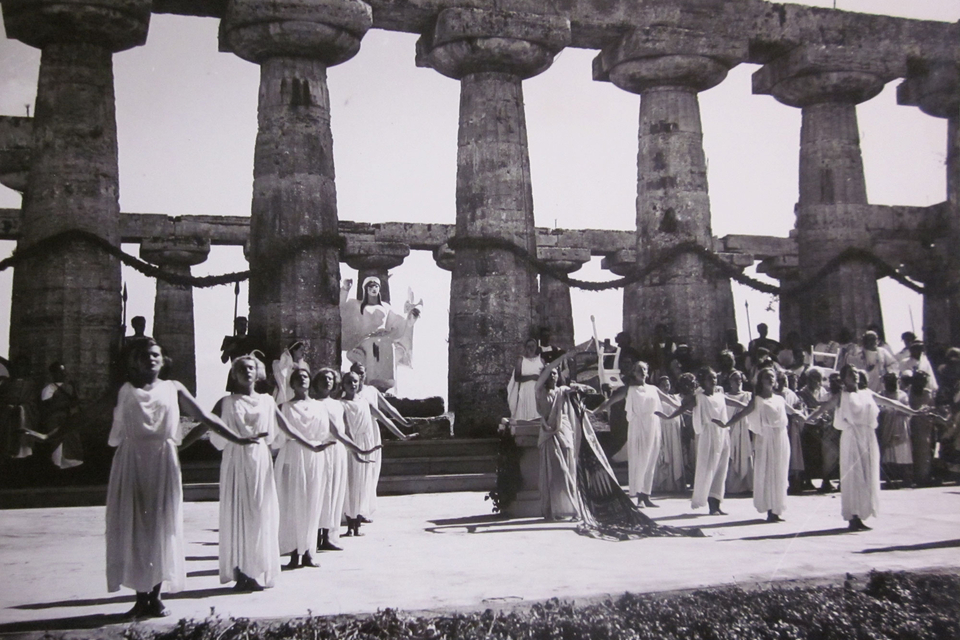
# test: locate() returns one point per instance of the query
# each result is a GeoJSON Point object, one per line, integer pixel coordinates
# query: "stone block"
{"type": "Point", "coordinates": [113, 24]}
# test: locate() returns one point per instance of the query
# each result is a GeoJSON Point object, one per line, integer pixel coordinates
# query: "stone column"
{"type": "Point", "coordinates": [668, 66]}
{"type": "Point", "coordinates": [828, 83]}
{"type": "Point", "coordinates": [295, 276]}
{"type": "Point", "coordinates": [492, 291]}
{"type": "Point", "coordinates": [66, 305]}
{"type": "Point", "coordinates": [555, 309]}
{"type": "Point", "coordinates": [935, 88]}
{"type": "Point", "coordinates": [173, 325]}
{"type": "Point", "coordinates": [375, 259]}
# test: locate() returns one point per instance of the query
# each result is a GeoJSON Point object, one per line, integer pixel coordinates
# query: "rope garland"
{"type": "Point", "coordinates": [53, 244]}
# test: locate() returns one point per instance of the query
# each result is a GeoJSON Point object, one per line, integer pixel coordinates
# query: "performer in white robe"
{"type": "Point", "coordinates": [521, 390]}
{"type": "Point", "coordinates": [856, 419]}
{"type": "Point", "coordinates": [290, 359]}
{"type": "Point", "coordinates": [363, 469]}
{"type": "Point", "coordinates": [299, 472]}
{"type": "Point", "coordinates": [249, 507]}
{"type": "Point", "coordinates": [669, 476]}
{"type": "Point", "coordinates": [558, 444]}
{"type": "Point", "coordinates": [740, 473]}
{"type": "Point", "coordinates": [375, 335]}
{"type": "Point", "coordinates": [708, 404]}
{"type": "Point", "coordinates": [333, 480]}
{"type": "Point", "coordinates": [644, 405]}
{"type": "Point", "coordinates": [144, 532]}
{"type": "Point", "coordinates": [767, 416]}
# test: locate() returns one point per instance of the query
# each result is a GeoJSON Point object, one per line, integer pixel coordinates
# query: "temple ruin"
{"type": "Point", "coordinates": [822, 61]}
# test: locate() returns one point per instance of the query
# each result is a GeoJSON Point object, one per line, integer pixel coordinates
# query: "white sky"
{"type": "Point", "coordinates": [186, 117]}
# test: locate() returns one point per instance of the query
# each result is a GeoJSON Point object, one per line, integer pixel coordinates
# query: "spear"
{"type": "Point", "coordinates": [236, 302]}
{"type": "Point", "coordinates": [746, 305]}
{"type": "Point", "coordinates": [124, 297]}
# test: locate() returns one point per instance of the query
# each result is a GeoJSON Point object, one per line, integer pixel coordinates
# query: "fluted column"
{"type": "Point", "coordinates": [828, 83]}
{"type": "Point", "coordinates": [555, 306]}
{"type": "Point", "coordinates": [295, 275]}
{"type": "Point", "coordinates": [668, 67]}
{"type": "Point", "coordinates": [492, 291]}
{"type": "Point", "coordinates": [374, 259]}
{"type": "Point", "coordinates": [935, 88]}
{"type": "Point", "coordinates": [66, 305]}
{"type": "Point", "coordinates": [173, 325]}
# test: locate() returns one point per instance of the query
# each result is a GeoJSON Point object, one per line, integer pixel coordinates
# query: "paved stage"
{"type": "Point", "coordinates": [447, 551]}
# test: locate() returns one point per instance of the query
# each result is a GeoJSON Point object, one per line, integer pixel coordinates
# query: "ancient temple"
{"type": "Point", "coordinates": [66, 306]}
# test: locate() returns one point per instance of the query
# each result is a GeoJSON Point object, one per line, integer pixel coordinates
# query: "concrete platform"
{"type": "Point", "coordinates": [446, 551]}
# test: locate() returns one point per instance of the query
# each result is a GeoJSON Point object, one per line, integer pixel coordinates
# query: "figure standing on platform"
{"type": "Point", "coordinates": [522, 388]}
{"type": "Point", "coordinates": [239, 344]}
{"type": "Point", "coordinates": [375, 335]}
{"type": "Point", "coordinates": [558, 445]}
{"type": "Point", "coordinates": [144, 532]}
{"type": "Point", "coordinates": [283, 367]}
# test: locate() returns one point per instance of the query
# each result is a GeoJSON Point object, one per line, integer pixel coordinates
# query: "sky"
{"type": "Point", "coordinates": [187, 114]}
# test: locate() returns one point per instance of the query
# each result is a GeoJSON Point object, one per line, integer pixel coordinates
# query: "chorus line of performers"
{"type": "Point", "coordinates": [738, 432]}
{"type": "Point", "coordinates": [327, 469]}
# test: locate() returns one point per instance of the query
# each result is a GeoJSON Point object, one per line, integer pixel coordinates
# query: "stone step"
{"type": "Point", "coordinates": [435, 465]}
{"type": "Point", "coordinates": [448, 447]}
{"type": "Point", "coordinates": [399, 485]}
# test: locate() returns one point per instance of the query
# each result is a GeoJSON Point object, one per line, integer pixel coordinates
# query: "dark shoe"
{"type": "Point", "coordinates": [772, 517]}
{"type": "Point", "coordinates": [328, 546]}
{"type": "Point", "coordinates": [139, 609]}
{"type": "Point", "coordinates": [155, 609]}
{"type": "Point", "coordinates": [294, 562]}
{"type": "Point", "coordinates": [856, 524]}
{"type": "Point", "coordinates": [364, 520]}
{"type": "Point", "coordinates": [308, 561]}
{"type": "Point", "coordinates": [715, 507]}
{"type": "Point", "coordinates": [647, 502]}
{"type": "Point", "coordinates": [825, 487]}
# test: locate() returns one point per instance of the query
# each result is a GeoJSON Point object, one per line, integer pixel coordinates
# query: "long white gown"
{"type": "Point", "coordinates": [669, 474]}
{"type": "Point", "coordinates": [713, 447]}
{"type": "Point", "coordinates": [522, 396]}
{"type": "Point", "coordinates": [144, 530]}
{"type": "Point", "coordinates": [856, 419]}
{"type": "Point", "coordinates": [334, 478]}
{"type": "Point", "coordinates": [772, 463]}
{"type": "Point", "coordinates": [298, 472]}
{"type": "Point", "coordinates": [362, 477]}
{"type": "Point", "coordinates": [558, 458]}
{"type": "Point", "coordinates": [377, 337]}
{"type": "Point", "coordinates": [740, 473]}
{"type": "Point", "coordinates": [643, 436]}
{"type": "Point", "coordinates": [249, 510]}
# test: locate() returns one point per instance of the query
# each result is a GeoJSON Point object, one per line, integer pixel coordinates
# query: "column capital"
{"type": "Point", "coordinates": [815, 74]}
{"type": "Point", "coordinates": [114, 24]}
{"type": "Point", "coordinates": [665, 55]}
{"type": "Point", "coordinates": [362, 254]}
{"type": "Point", "coordinates": [932, 85]}
{"type": "Point", "coordinates": [445, 257]}
{"type": "Point", "coordinates": [466, 41]}
{"type": "Point", "coordinates": [325, 30]}
{"type": "Point", "coordinates": [175, 251]}
{"type": "Point", "coordinates": [565, 259]}
{"type": "Point", "coordinates": [16, 151]}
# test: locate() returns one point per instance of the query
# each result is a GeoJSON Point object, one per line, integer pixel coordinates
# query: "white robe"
{"type": "Point", "coordinates": [298, 472]}
{"type": "Point", "coordinates": [362, 477]}
{"type": "Point", "coordinates": [856, 419]}
{"type": "Point", "coordinates": [334, 478]}
{"type": "Point", "coordinates": [713, 447]}
{"type": "Point", "coordinates": [740, 473]}
{"type": "Point", "coordinates": [669, 474]}
{"type": "Point", "coordinates": [772, 463]}
{"type": "Point", "coordinates": [282, 369]}
{"type": "Point", "coordinates": [144, 532]}
{"type": "Point", "coordinates": [377, 337]}
{"type": "Point", "coordinates": [522, 396]}
{"type": "Point", "coordinates": [249, 511]}
{"type": "Point", "coordinates": [643, 436]}
{"type": "Point", "coordinates": [558, 458]}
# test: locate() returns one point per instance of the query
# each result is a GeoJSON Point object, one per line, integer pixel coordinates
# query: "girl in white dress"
{"type": "Point", "coordinates": [740, 474]}
{"type": "Point", "coordinates": [669, 476]}
{"type": "Point", "coordinates": [766, 415]}
{"type": "Point", "coordinates": [856, 419]}
{"type": "Point", "coordinates": [363, 469]}
{"type": "Point", "coordinates": [249, 508]}
{"type": "Point", "coordinates": [521, 390]}
{"type": "Point", "coordinates": [299, 472]}
{"type": "Point", "coordinates": [708, 403]}
{"type": "Point", "coordinates": [144, 531]}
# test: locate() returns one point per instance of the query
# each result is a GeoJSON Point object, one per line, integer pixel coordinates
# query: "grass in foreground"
{"type": "Point", "coordinates": [890, 605]}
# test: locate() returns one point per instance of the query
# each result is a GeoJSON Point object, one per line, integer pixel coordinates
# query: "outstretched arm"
{"type": "Point", "coordinates": [211, 421]}
{"type": "Point", "coordinates": [295, 434]}
{"type": "Point", "coordinates": [747, 409]}
{"type": "Point", "coordinates": [391, 411]}
{"type": "Point", "coordinates": [832, 403]}
{"type": "Point", "coordinates": [388, 423]}
{"type": "Point", "coordinates": [688, 403]}
{"type": "Point", "coordinates": [618, 395]}
{"type": "Point", "coordinates": [668, 400]}
{"type": "Point", "coordinates": [894, 405]}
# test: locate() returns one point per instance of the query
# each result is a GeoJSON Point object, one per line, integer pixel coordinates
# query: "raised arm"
{"type": "Point", "coordinates": [894, 405]}
{"type": "Point", "coordinates": [211, 421]}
